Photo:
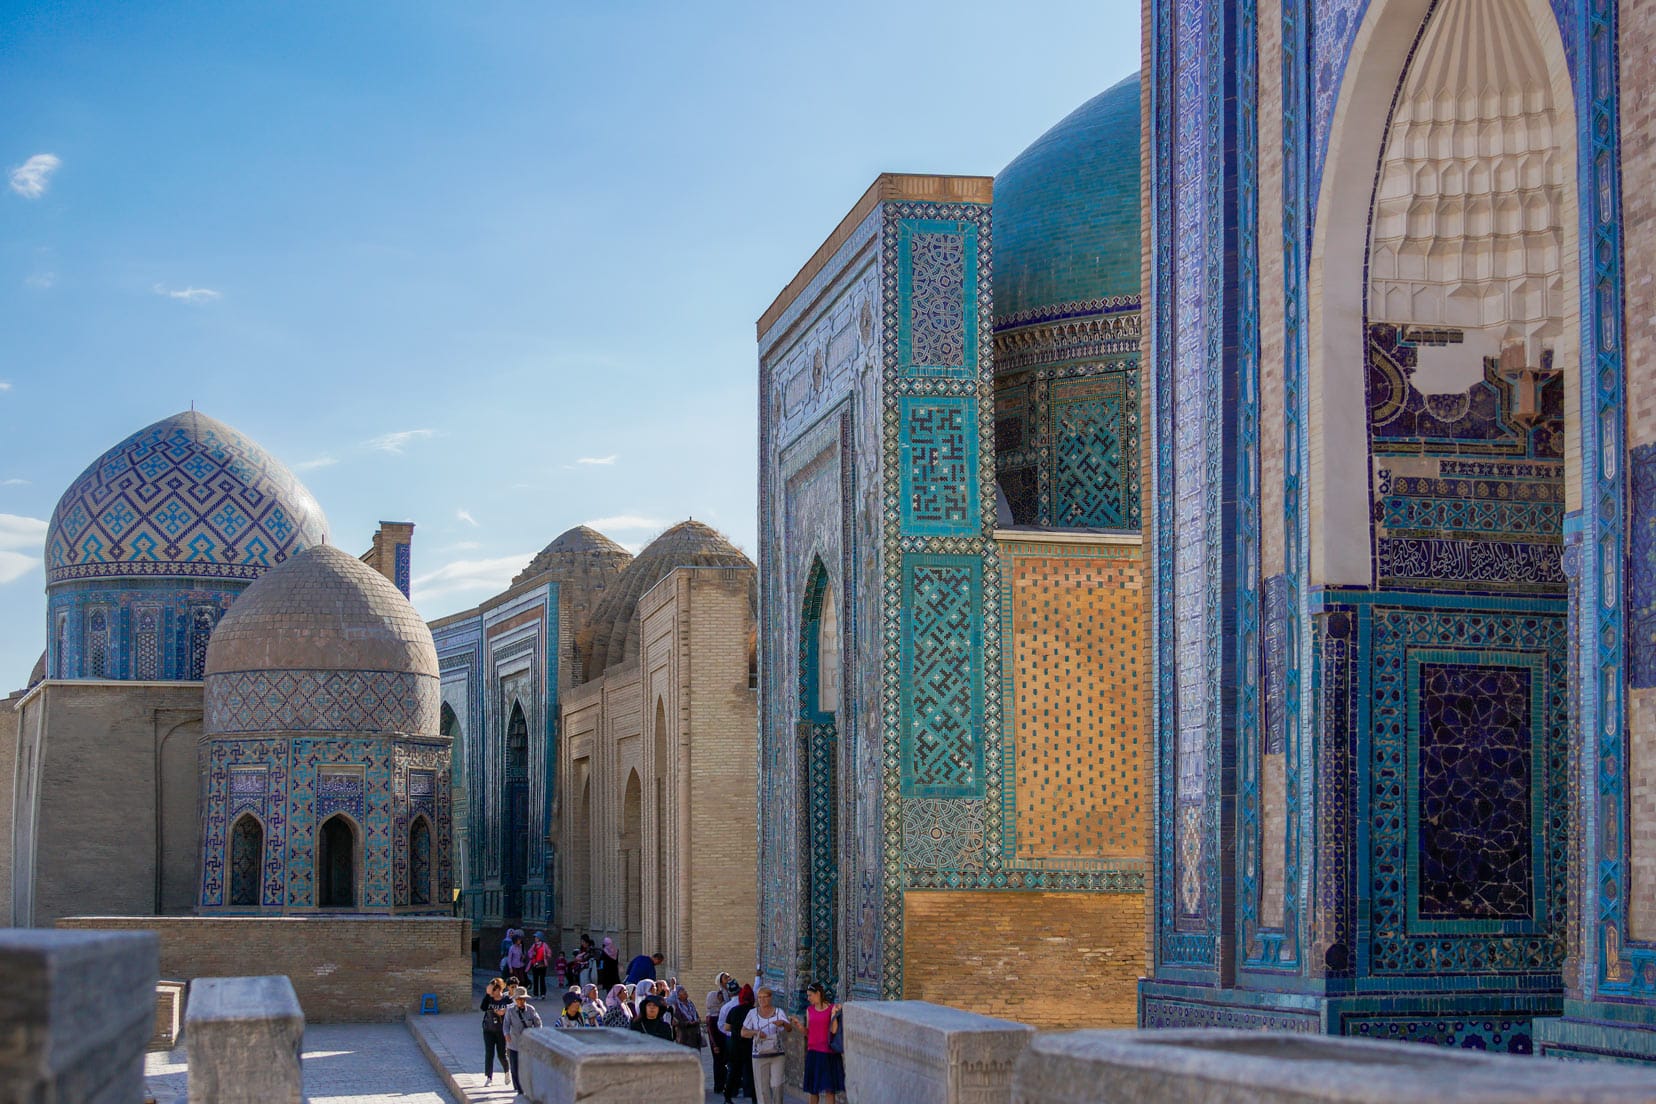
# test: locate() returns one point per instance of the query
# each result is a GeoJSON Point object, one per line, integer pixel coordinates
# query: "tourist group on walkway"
{"type": "Point", "coordinates": [742, 1027]}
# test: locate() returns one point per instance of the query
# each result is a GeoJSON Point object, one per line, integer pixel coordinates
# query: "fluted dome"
{"type": "Point", "coordinates": [322, 643]}
{"type": "Point", "coordinates": [577, 547]}
{"type": "Point", "coordinates": [1066, 211]}
{"type": "Point", "coordinates": [611, 636]}
{"type": "Point", "coordinates": [187, 496]}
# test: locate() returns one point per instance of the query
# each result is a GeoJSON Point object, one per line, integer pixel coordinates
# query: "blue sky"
{"type": "Point", "coordinates": [490, 267]}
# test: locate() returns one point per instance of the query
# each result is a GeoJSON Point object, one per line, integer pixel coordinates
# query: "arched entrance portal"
{"type": "Point", "coordinates": [818, 759]}
{"type": "Point", "coordinates": [246, 860]}
{"type": "Point", "coordinates": [336, 846]}
{"type": "Point", "coordinates": [515, 853]}
{"type": "Point", "coordinates": [632, 866]}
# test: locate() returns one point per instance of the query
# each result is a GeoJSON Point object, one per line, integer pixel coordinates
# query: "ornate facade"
{"type": "Point", "coordinates": [1397, 407]}
{"type": "Point", "coordinates": [954, 733]}
{"type": "Point", "coordinates": [505, 668]}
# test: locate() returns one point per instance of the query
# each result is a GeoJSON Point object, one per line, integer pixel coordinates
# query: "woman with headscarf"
{"type": "Point", "coordinates": [687, 1028]}
{"type": "Point", "coordinates": [615, 1010]}
{"type": "Point", "coordinates": [738, 1051]}
{"type": "Point", "coordinates": [592, 1006]}
{"type": "Point", "coordinates": [609, 964]}
{"type": "Point", "coordinates": [652, 1019]}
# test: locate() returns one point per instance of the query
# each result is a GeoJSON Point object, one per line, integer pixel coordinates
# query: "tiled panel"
{"type": "Point", "coordinates": [1081, 736]}
{"type": "Point", "coordinates": [1475, 782]}
{"type": "Point", "coordinates": [942, 676]}
{"type": "Point", "coordinates": [937, 278]}
{"type": "Point", "coordinates": [938, 460]}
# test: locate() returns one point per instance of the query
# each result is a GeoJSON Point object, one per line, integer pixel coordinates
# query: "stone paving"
{"type": "Point", "coordinates": [342, 1064]}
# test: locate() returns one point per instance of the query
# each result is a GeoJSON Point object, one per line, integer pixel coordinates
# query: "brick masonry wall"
{"type": "Point", "coordinates": [1080, 655]}
{"type": "Point", "coordinates": [1052, 960]}
{"type": "Point", "coordinates": [346, 970]}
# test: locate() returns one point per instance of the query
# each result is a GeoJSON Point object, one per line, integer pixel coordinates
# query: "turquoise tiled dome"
{"type": "Point", "coordinates": [1066, 213]}
{"type": "Point", "coordinates": [187, 496]}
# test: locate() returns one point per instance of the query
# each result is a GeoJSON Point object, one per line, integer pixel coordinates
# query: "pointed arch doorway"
{"type": "Point", "coordinates": [818, 756]}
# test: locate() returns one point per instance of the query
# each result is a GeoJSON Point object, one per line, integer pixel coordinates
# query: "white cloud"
{"type": "Point", "coordinates": [465, 516]}
{"type": "Point", "coordinates": [19, 532]}
{"type": "Point", "coordinates": [5, 385]}
{"type": "Point", "coordinates": [461, 576]}
{"type": "Point", "coordinates": [623, 523]}
{"type": "Point", "coordinates": [14, 482]}
{"type": "Point", "coordinates": [15, 565]}
{"type": "Point", "coordinates": [312, 465]}
{"type": "Point", "coordinates": [31, 178]}
{"type": "Point", "coordinates": [396, 442]}
{"type": "Point", "coordinates": [599, 461]}
{"type": "Point", "coordinates": [463, 546]}
{"type": "Point", "coordinates": [187, 295]}
{"type": "Point", "coordinates": [40, 280]}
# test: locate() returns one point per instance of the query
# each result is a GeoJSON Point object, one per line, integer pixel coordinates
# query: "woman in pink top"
{"type": "Point", "coordinates": [824, 1069]}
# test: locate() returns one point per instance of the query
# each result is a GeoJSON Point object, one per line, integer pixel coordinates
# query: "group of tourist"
{"type": "Point", "coordinates": [747, 1033]}
{"type": "Point", "coordinates": [743, 1028]}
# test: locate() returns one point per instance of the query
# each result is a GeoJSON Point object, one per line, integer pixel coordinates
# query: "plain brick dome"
{"type": "Point", "coordinates": [322, 610]}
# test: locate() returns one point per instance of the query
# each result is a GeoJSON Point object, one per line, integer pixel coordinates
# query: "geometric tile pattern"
{"type": "Point", "coordinates": [939, 465]}
{"type": "Point", "coordinates": [294, 784]}
{"type": "Point", "coordinates": [937, 276]}
{"type": "Point", "coordinates": [943, 750]}
{"type": "Point", "coordinates": [1474, 784]}
{"type": "Point", "coordinates": [322, 701]}
{"type": "Point", "coordinates": [1090, 481]}
{"type": "Point", "coordinates": [154, 629]}
{"type": "Point", "coordinates": [187, 496]}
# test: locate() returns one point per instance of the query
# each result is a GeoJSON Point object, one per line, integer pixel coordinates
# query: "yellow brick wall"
{"type": "Point", "coordinates": [359, 969]}
{"type": "Point", "coordinates": [1081, 740]}
{"type": "Point", "coordinates": [1052, 960]}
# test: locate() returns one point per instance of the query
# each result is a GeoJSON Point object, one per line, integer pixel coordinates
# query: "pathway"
{"type": "Point", "coordinates": [342, 1064]}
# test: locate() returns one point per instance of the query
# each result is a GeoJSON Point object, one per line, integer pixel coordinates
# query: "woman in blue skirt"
{"type": "Point", "coordinates": [824, 1066]}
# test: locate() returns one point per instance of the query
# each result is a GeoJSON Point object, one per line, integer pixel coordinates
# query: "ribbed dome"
{"type": "Point", "coordinates": [1066, 210]}
{"type": "Point", "coordinates": [611, 636]}
{"type": "Point", "coordinates": [578, 546]}
{"type": "Point", "coordinates": [187, 496]}
{"type": "Point", "coordinates": [38, 674]}
{"type": "Point", "coordinates": [323, 643]}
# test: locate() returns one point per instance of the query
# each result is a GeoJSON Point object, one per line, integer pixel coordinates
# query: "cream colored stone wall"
{"type": "Point", "coordinates": [682, 716]}
{"type": "Point", "coordinates": [9, 718]}
{"type": "Point", "coordinates": [106, 800]}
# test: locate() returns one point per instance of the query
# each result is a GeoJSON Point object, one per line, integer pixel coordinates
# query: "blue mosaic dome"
{"type": "Point", "coordinates": [1066, 212]}
{"type": "Point", "coordinates": [187, 496]}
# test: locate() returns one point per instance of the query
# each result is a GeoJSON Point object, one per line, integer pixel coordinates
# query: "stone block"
{"type": "Point", "coordinates": [922, 1053]}
{"type": "Point", "coordinates": [1256, 1067]}
{"type": "Point", "coordinates": [600, 1065]}
{"type": "Point", "coordinates": [169, 1014]}
{"type": "Point", "coordinates": [242, 1037]}
{"type": "Point", "coordinates": [75, 1011]}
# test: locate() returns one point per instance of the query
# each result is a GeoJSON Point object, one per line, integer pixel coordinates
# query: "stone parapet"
{"type": "Point", "coordinates": [923, 1053]}
{"type": "Point", "coordinates": [243, 1037]}
{"type": "Point", "coordinates": [1252, 1067]}
{"type": "Point", "coordinates": [346, 969]}
{"type": "Point", "coordinates": [607, 1066]}
{"type": "Point", "coordinates": [51, 1050]}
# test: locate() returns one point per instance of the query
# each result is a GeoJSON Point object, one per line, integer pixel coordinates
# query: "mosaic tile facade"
{"type": "Point", "coordinates": [322, 701]}
{"type": "Point", "coordinates": [152, 629]}
{"type": "Point", "coordinates": [1435, 699]}
{"type": "Point", "coordinates": [186, 497]}
{"type": "Point", "coordinates": [508, 653]}
{"type": "Point", "coordinates": [292, 784]}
